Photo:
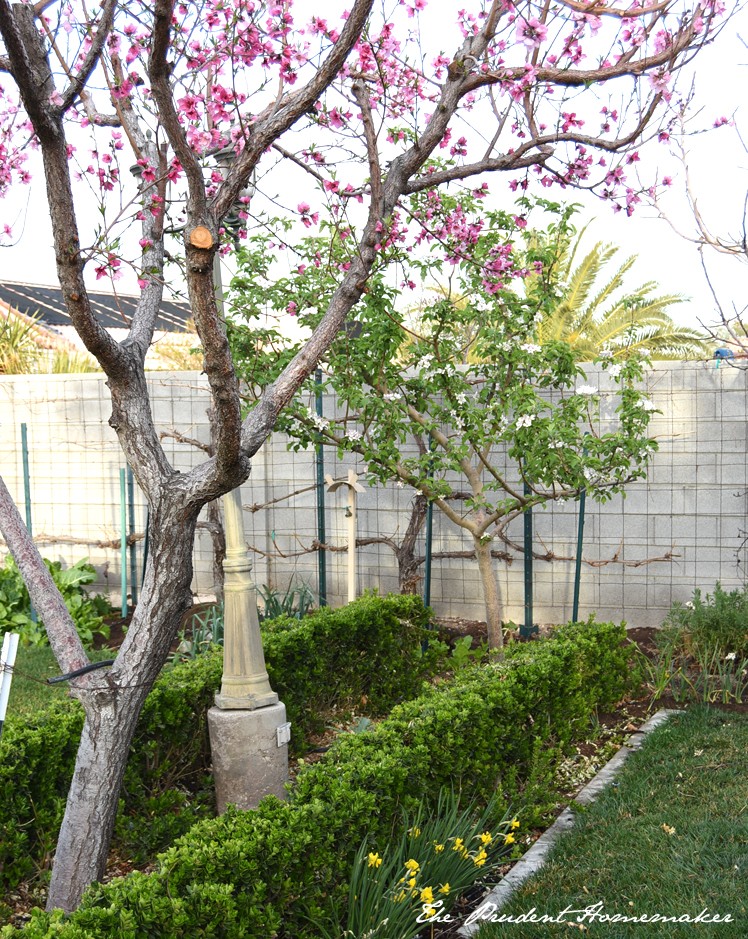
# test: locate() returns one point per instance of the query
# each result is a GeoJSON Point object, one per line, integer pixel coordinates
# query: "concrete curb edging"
{"type": "Point", "coordinates": [534, 859]}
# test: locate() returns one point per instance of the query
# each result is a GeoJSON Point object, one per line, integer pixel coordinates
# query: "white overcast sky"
{"type": "Point", "coordinates": [720, 180]}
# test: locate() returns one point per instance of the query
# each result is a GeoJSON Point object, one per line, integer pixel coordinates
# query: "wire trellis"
{"type": "Point", "coordinates": [681, 528]}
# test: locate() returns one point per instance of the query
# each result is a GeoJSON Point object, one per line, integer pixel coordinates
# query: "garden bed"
{"type": "Point", "coordinates": [595, 740]}
{"type": "Point", "coordinates": [277, 867]}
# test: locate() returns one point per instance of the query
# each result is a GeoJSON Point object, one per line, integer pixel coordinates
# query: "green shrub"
{"type": "Point", "coordinates": [15, 605]}
{"type": "Point", "coordinates": [718, 622]}
{"type": "Point", "coordinates": [371, 647]}
{"type": "Point", "coordinates": [36, 766]}
{"type": "Point", "coordinates": [271, 871]}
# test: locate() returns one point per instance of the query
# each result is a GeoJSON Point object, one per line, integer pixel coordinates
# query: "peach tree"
{"type": "Point", "coordinates": [355, 103]}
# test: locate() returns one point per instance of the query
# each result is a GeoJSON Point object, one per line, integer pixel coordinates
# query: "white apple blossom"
{"type": "Point", "coordinates": [319, 422]}
{"type": "Point", "coordinates": [586, 390]}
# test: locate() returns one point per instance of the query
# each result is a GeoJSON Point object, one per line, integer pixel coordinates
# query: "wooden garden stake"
{"type": "Point", "coordinates": [350, 512]}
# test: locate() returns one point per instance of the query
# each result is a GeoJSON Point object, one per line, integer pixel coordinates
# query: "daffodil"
{"type": "Point", "coordinates": [427, 895]}
{"type": "Point", "coordinates": [509, 839]}
{"type": "Point", "coordinates": [444, 889]}
{"type": "Point", "coordinates": [400, 896]}
{"type": "Point", "coordinates": [415, 832]}
{"type": "Point", "coordinates": [515, 823]}
{"type": "Point", "coordinates": [429, 910]}
{"type": "Point", "coordinates": [438, 848]}
{"type": "Point", "coordinates": [457, 845]}
{"type": "Point", "coordinates": [486, 837]}
{"type": "Point", "coordinates": [412, 865]}
{"type": "Point", "coordinates": [412, 883]}
{"type": "Point", "coordinates": [374, 860]}
{"type": "Point", "coordinates": [480, 858]}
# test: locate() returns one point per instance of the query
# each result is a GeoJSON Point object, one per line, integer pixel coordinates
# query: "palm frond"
{"type": "Point", "coordinates": [615, 319]}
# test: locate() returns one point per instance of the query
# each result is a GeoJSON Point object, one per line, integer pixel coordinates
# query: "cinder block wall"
{"type": "Point", "coordinates": [692, 507]}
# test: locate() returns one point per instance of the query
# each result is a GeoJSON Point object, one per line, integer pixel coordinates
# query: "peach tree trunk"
{"type": "Point", "coordinates": [113, 705]}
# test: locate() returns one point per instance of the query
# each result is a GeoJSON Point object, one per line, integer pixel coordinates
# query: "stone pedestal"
{"type": "Point", "coordinates": [248, 762]}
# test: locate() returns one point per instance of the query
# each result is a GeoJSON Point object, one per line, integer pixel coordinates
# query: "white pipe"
{"type": "Point", "coordinates": [7, 661]}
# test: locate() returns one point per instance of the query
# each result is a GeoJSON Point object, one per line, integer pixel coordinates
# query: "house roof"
{"type": "Point", "coordinates": [113, 311]}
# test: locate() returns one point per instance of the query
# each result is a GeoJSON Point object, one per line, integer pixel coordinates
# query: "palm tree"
{"type": "Point", "coordinates": [610, 321]}
{"type": "Point", "coordinates": [19, 349]}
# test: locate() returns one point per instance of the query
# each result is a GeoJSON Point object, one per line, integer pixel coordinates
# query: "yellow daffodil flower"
{"type": "Point", "coordinates": [515, 823]}
{"type": "Point", "coordinates": [412, 865]}
{"type": "Point", "coordinates": [412, 883]}
{"type": "Point", "coordinates": [438, 848]}
{"type": "Point", "coordinates": [427, 895]}
{"type": "Point", "coordinates": [486, 837]}
{"type": "Point", "coordinates": [509, 839]}
{"type": "Point", "coordinates": [415, 832]}
{"type": "Point", "coordinates": [429, 911]}
{"type": "Point", "coordinates": [480, 859]}
{"type": "Point", "coordinates": [457, 845]}
{"type": "Point", "coordinates": [374, 860]}
{"type": "Point", "coordinates": [400, 896]}
{"type": "Point", "coordinates": [444, 889]}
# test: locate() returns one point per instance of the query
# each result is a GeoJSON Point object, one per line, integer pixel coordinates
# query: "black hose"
{"type": "Point", "coordinates": [80, 671]}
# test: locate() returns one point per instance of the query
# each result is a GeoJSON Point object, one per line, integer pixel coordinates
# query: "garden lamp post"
{"type": "Point", "coordinates": [245, 684]}
{"type": "Point", "coordinates": [248, 730]}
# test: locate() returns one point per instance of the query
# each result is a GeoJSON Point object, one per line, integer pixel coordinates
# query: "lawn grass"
{"type": "Point", "coordinates": [691, 776]}
{"type": "Point", "coordinates": [26, 694]}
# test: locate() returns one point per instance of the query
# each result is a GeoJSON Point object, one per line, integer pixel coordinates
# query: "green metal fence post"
{"type": "Point", "coordinates": [580, 538]}
{"type": "Point", "coordinates": [145, 542]}
{"type": "Point", "coordinates": [133, 548]}
{"type": "Point", "coordinates": [321, 554]}
{"type": "Point", "coordinates": [529, 628]}
{"type": "Point", "coordinates": [27, 493]}
{"type": "Point", "coordinates": [429, 538]}
{"type": "Point", "coordinates": [123, 538]}
{"type": "Point", "coordinates": [578, 565]}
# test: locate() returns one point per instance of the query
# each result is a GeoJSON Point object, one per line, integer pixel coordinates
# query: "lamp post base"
{"type": "Point", "coordinates": [247, 702]}
{"type": "Point", "coordinates": [249, 762]}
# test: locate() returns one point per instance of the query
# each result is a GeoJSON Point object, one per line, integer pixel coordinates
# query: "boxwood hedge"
{"type": "Point", "coordinates": [270, 872]}
{"type": "Point", "coordinates": [371, 648]}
